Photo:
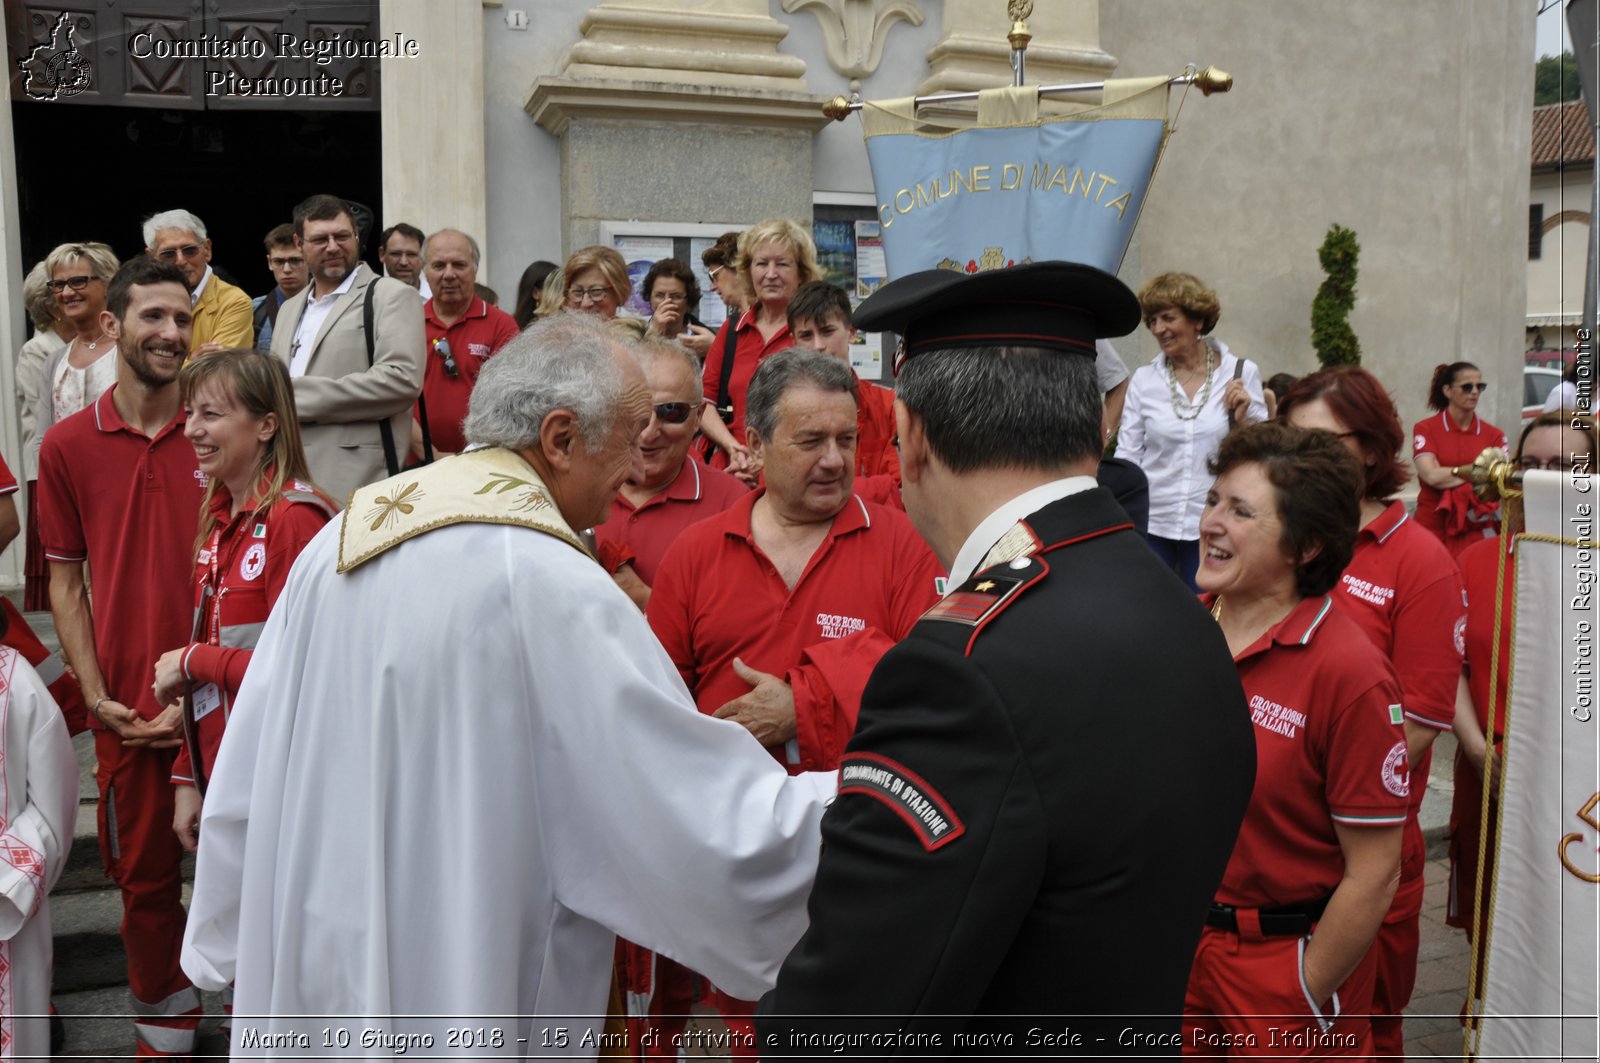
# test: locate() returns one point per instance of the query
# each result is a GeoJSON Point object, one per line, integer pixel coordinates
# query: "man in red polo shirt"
{"type": "Point", "coordinates": [120, 488]}
{"type": "Point", "coordinates": [462, 330]}
{"type": "Point", "coordinates": [820, 318]}
{"type": "Point", "coordinates": [675, 491]}
{"type": "Point", "coordinates": [776, 610]}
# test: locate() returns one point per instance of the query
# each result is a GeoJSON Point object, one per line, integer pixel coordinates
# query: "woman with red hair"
{"type": "Point", "coordinates": [1403, 589]}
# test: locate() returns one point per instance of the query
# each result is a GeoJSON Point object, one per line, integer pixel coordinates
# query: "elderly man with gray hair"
{"type": "Point", "coordinates": [460, 763]}
{"type": "Point", "coordinates": [223, 316]}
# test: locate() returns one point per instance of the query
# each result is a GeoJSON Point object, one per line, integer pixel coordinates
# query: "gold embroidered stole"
{"type": "Point", "coordinates": [490, 486]}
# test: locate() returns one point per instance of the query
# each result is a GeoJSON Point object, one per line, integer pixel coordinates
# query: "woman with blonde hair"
{"type": "Point", "coordinates": [596, 281]}
{"type": "Point", "coordinates": [1178, 409]}
{"type": "Point", "coordinates": [75, 376]}
{"type": "Point", "coordinates": [260, 510]}
{"type": "Point", "coordinates": [776, 257]}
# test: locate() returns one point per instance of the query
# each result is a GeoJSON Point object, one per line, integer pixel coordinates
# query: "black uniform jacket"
{"type": "Point", "coordinates": [1034, 813]}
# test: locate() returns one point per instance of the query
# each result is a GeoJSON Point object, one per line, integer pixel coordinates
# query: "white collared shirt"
{"type": "Point", "coordinates": [996, 524]}
{"type": "Point", "coordinates": [1173, 451]}
{"type": "Point", "coordinates": [205, 278]}
{"type": "Point", "coordinates": [311, 319]}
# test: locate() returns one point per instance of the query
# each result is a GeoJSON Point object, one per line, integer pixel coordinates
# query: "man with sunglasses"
{"type": "Point", "coordinates": [463, 330]}
{"type": "Point", "coordinates": [354, 385]}
{"type": "Point", "coordinates": [223, 316]}
{"type": "Point", "coordinates": [672, 491]}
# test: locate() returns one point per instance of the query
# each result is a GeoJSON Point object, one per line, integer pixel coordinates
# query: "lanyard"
{"type": "Point", "coordinates": [211, 589]}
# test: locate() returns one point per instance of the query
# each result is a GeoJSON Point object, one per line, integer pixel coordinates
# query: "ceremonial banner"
{"type": "Point", "coordinates": [1541, 990]}
{"type": "Point", "coordinates": [1014, 187]}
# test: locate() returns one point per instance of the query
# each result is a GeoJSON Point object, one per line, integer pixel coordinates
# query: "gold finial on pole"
{"type": "Point", "coordinates": [1491, 475]}
{"type": "Point", "coordinates": [1212, 80]}
{"type": "Point", "coordinates": [837, 108]}
{"type": "Point", "coordinates": [1019, 10]}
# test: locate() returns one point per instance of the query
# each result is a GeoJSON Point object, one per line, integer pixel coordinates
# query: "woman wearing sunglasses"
{"type": "Point", "coordinates": [1454, 436]}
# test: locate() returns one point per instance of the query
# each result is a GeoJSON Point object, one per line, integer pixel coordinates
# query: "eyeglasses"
{"type": "Point", "coordinates": [1480, 386]}
{"type": "Point", "coordinates": [441, 347]}
{"type": "Point", "coordinates": [673, 412]}
{"type": "Point", "coordinates": [330, 239]}
{"type": "Point", "coordinates": [172, 254]}
{"type": "Point", "coordinates": [285, 263]}
{"type": "Point", "coordinates": [402, 254]}
{"type": "Point", "coordinates": [668, 297]}
{"type": "Point", "coordinates": [1535, 465]}
{"type": "Point", "coordinates": [592, 295]}
{"type": "Point", "coordinates": [714, 270]}
{"type": "Point", "coordinates": [77, 284]}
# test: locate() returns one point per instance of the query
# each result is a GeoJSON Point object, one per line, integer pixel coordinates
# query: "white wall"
{"type": "Point", "coordinates": [1555, 279]}
{"type": "Point", "coordinates": [1409, 123]}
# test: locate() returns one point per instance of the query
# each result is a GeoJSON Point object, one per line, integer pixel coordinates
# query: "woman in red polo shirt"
{"type": "Point", "coordinates": [776, 257]}
{"type": "Point", "coordinates": [1284, 965]}
{"type": "Point", "coordinates": [1455, 435]}
{"type": "Point", "coordinates": [1554, 441]}
{"type": "Point", "coordinates": [259, 512]}
{"type": "Point", "coordinates": [1402, 588]}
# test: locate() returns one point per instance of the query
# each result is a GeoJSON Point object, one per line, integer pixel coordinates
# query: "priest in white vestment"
{"type": "Point", "coordinates": [38, 809]}
{"type": "Point", "coordinates": [460, 763]}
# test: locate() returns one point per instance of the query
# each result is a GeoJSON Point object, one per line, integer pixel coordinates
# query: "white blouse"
{"type": "Point", "coordinates": [1172, 451]}
{"type": "Point", "coordinates": [76, 389]}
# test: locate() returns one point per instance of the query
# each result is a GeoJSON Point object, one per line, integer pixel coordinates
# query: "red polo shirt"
{"type": "Point", "coordinates": [749, 349]}
{"type": "Point", "coordinates": [716, 597]}
{"type": "Point", "coordinates": [1480, 563]}
{"type": "Point", "coordinates": [130, 506]}
{"type": "Point", "coordinates": [480, 332]}
{"type": "Point", "coordinates": [696, 493]}
{"type": "Point", "coordinates": [1403, 589]}
{"type": "Point", "coordinates": [1450, 445]}
{"type": "Point", "coordinates": [1330, 749]}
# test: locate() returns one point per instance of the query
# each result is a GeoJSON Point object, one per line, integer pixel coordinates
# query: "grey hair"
{"type": "Point", "coordinates": [38, 298]}
{"type": "Point", "coordinates": [565, 362]}
{"type": "Point", "coordinates": [795, 367]}
{"type": "Point", "coordinates": [477, 257]}
{"type": "Point", "coordinates": [172, 219]}
{"type": "Point", "coordinates": [1004, 407]}
{"type": "Point", "coordinates": [653, 349]}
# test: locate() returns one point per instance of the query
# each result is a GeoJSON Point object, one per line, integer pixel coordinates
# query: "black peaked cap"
{"type": "Point", "coordinates": [1061, 306]}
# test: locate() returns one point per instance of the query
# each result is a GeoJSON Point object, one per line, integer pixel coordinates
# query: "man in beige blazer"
{"type": "Point", "coordinates": [320, 334]}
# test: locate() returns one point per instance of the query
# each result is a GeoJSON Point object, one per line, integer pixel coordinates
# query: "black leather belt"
{"type": "Point", "coordinates": [1291, 919]}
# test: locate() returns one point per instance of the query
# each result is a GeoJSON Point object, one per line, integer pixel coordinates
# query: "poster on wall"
{"type": "Point", "coordinates": [871, 267]}
{"type": "Point", "coordinates": [640, 253]}
{"type": "Point", "coordinates": [836, 252]}
{"type": "Point", "coordinates": [866, 355]}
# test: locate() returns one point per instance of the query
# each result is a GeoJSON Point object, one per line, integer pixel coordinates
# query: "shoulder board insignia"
{"type": "Point", "coordinates": [984, 594]}
{"type": "Point", "coordinates": [907, 794]}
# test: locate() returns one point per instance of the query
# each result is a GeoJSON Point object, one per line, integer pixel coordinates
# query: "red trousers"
{"type": "Point", "coordinates": [1396, 947]}
{"type": "Point", "coordinates": [1247, 997]}
{"type": "Point", "coordinates": [657, 995]}
{"type": "Point", "coordinates": [142, 855]}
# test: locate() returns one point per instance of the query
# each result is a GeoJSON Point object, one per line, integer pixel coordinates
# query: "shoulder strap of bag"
{"type": "Point", "coordinates": [1238, 374]}
{"type": "Point", "coordinates": [391, 456]}
{"type": "Point", "coordinates": [724, 397]}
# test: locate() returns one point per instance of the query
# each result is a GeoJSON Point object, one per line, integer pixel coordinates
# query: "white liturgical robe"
{"type": "Point", "coordinates": [40, 778]}
{"type": "Point", "coordinates": [453, 774]}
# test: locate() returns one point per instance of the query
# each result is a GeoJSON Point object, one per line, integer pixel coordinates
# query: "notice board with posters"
{"type": "Point", "coordinates": [643, 243]}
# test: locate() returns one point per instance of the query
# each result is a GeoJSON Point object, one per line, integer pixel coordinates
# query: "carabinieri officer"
{"type": "Point", "coordinates": [1049, 771]}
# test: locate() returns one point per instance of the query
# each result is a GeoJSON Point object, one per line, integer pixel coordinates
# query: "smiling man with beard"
{"type": "Point", "coordinates": [119, 488]}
